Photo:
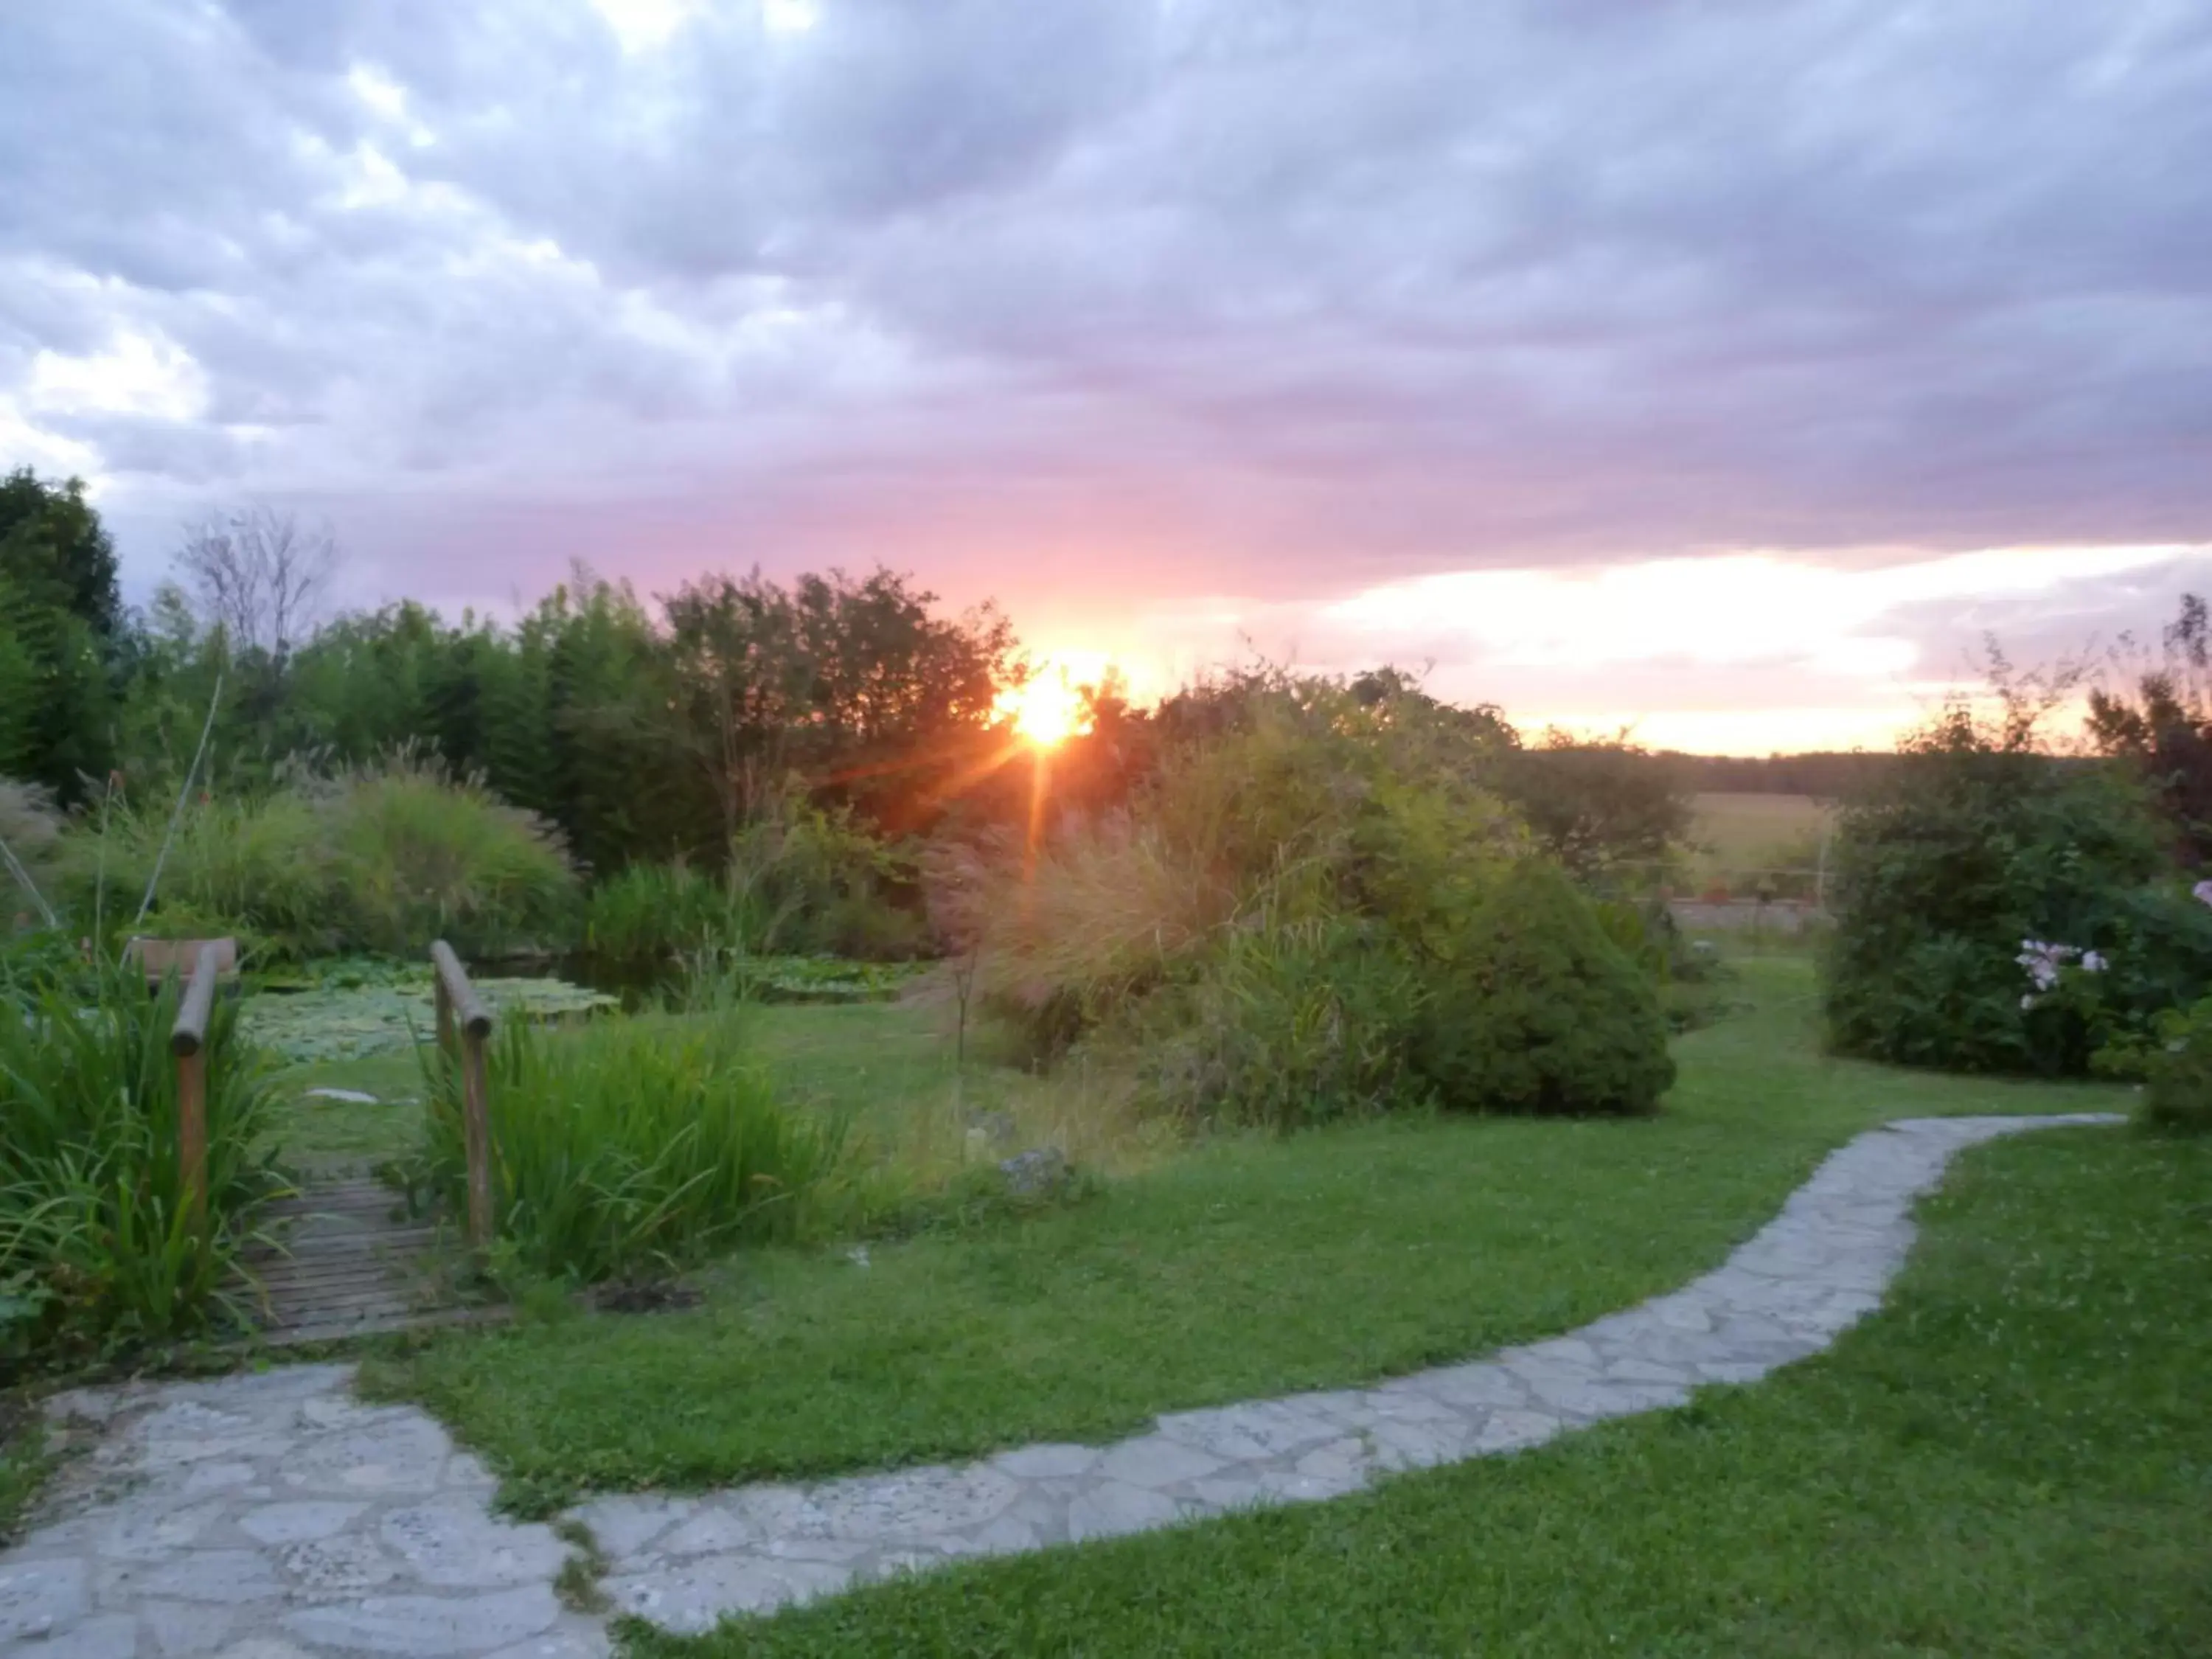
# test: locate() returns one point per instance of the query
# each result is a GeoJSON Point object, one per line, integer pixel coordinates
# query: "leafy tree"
{"type": "Point", "coordinates": [60, 627]}
{"type": "Point", "coordinates": [1598, 805]}
{"type": "Point", "coordinates": [54, 551]}
{"type": "Point", "coordinates": [2165, 727]}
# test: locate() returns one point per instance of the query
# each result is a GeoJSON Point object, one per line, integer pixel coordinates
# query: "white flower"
{"type": "Point", "coordinates": [2203, 891]}
{"type": "Point", "coordinates": [2092, 963]}
{"type": "Point", "coordinates": [2027, 1001]}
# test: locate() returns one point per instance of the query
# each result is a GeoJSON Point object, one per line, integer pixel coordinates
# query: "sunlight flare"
{"type": "Point", "coordinates": [1048, 710]}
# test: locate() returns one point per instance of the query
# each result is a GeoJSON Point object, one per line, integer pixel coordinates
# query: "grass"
{"type": "Point", "coordinates": [1252, 1266]}
{"type": "Point", "coordinates": [628, 1146]}
{"type": "Point", "coordinates": [316, 1134]}
{"type": "Point", "coordinates": [1739, 832]}
{"type": "Point", "coordinates": [2013, 1459]}
{"type": "Point", "coordinates": [23, 1461]}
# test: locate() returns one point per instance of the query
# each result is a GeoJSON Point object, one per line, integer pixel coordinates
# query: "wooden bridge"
{"type": "Point", "coordinates": [345, 1258]}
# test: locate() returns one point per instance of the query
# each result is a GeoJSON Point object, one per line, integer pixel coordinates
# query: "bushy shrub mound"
{"type": "Point", "coordinates": [383, 858]}
{"type": "Point", "coordinates": [2173, 1064]}
{"type": "Point", "coordinates": [420, 853]}
{"type": "Point", "coordinates": [1538, 1010]}
{"type": "Point", "coordinates": [1973, 853]}
{"type": "Point", "coordinates": [1265, 934]}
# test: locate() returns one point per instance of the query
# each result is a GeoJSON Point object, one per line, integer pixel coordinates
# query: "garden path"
{"type": "Point", "coordinates": [272, 1516]}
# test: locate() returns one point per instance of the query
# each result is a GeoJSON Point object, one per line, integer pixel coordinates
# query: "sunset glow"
{"type": "Point", "coordinates": [1048, 710]}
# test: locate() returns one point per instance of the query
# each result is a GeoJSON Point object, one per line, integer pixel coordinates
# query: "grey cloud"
{"type": "Point", "coordinates": [1276, 298]}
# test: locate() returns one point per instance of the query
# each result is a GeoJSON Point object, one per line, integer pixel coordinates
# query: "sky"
{"type": "Point", "coordinates": [1727, 368]}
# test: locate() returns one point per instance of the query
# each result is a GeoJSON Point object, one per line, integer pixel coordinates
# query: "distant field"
{"type": "Point", "coordinates": [1751, 831]}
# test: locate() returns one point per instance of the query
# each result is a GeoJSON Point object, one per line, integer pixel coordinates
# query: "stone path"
{"type": "Point", "coordinates": [273, 1515]}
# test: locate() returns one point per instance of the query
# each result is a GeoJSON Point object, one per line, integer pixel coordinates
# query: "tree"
{"type": "Point", "coordinates": [257, 574]}
{"type": "Point", "coordinates": [54, 551]}
{"type": "Point", "coordinates": [1597, 805]}
{"type": "Point", "coordinates": [2165, 728]}
{"type": "Point", "coordinates": [61, 635]}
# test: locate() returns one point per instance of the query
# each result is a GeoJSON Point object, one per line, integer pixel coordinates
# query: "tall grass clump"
{"type": "Point", "coordinates": [419, 853]}
{"type": "Point", "coordinates": [653, 912]}
{"type": "Point", "coordinates": [96, 1244]}
{"type": "Point", "coordinates": [260, 866]}
{"type": "Point", "coordinates": [380, 858]}
{"type": "Point", "coordinates": [626, 1148]}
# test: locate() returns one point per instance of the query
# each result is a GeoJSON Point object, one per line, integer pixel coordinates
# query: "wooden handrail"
{"type": "Point", "coordinates": [458, 1006]}
{"type": "Point", "coordinates": [188, 1042]}
{"type": "Point", "coordinates": [453, 981]}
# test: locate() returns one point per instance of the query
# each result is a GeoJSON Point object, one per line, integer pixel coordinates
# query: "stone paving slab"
{"type": "Point", "coordinates": [274, 1515]}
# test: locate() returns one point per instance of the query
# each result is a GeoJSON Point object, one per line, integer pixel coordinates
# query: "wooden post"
{"type": "Point", "coordinates": [188, 1042]}
{"type": "Point", "coordinates": [458, 1006]}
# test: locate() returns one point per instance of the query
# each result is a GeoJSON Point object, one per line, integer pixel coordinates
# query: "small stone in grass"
{"type": "Point", "coordinates": [351, 1097]}
{"type": "Point", "coordinates": [1034, 1174]}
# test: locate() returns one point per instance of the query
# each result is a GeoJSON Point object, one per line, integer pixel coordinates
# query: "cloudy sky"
{"type": "Point", "coordinates": [1726, 366]}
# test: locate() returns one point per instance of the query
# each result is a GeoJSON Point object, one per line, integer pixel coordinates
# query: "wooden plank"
{"type": "Point", "coordinates": [300, 1336]}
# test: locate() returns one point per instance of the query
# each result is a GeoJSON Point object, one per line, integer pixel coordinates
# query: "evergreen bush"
{"type": "Point", "coordinates": [1536, 1010]}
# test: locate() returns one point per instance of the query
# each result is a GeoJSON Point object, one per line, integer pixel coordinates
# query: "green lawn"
{"type": "Point", "coordinates": [2015, 1458]}
{"type": "Point", "coordinates": [1249, 1266]}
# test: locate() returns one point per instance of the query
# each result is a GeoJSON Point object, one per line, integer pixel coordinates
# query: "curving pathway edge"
{"type": "Point", "coordinates": [272, 1516]}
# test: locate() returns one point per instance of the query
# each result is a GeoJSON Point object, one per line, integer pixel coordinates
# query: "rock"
{"type": "Point", "coordinates": [296, 1524]}
{"type": "Point", "coordinates": [39, 1597]}
{"type": "Point", "coordinates": [350, 1097]}
{"type": "Point", "coordinates": [1037, 1173]}
{"type": "Point", "coordinates": [428, 1626]}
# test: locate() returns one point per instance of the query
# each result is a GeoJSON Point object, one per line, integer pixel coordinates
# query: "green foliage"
{"type": "Point", "coordinates": [1536, 1010]}
{"type": "Point", "coordinates": [96, 1243]}
{"type": "Point", "coordinates": [1245, 1267]}
{"type": "Point", "coordinates": [631, 1147]}
{"type": "Point", "coordinates": [1283, 1026]}
{"type": "Point", "coordinates": [1314, 908]}
{"type": "Point", "coordinates": [1598, 805]}
{"type": "Point", "coordinates": [422, 854]}
{"type": "Point", "coordinates": [1975, 843]}
{"type": "Point", "coordinates": [31, 829]}
{"type": "Point", "coordinates": [799, 880]}
{"type": "Point", "coordinates": [2175, 1066]}
{"type": "Point", "coordinates": [383, 858]}
{"type": "Point", "coordinates": [60, 624]}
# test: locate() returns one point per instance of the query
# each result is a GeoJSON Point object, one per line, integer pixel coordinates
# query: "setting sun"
{"type": "Point", "coordinates": [1048, 710]}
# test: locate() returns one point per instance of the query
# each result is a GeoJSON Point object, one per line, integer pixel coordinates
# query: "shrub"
{"type": "Point", "coordinates": [94, 1241]}
{"type": "Point", "coordinates": [260, 867]}
{"type": "Point", "coordinates": [631, 1147]}
{"type": "Point", "coordinates": [383, 858]}
{"type": "Point", "coordinates": [1536, 1010]}
{"type": "Point", "coordinates": [420, 853]}
{"type": "Point", "coordinates": [803, 880]}
{"type": "Point", "coordinates": [1297, 802]}
{"type": "Point", "coordinates": [1283, 1026]}
{"type": "Point", "coordinates": [2175, 1067]}
{"type": "Point", "coordinates": [800, 881]}
{"type": "Point", "coordinates": [1974, 842]}
{"type": "Point", "coordinates": [651, 913]}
